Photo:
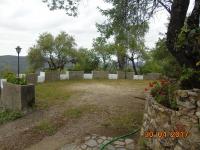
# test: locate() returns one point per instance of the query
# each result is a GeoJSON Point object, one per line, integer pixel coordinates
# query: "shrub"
{"type": "Point", "coordinates": [163, 93]}
{"type": "Point", "coordinates": [11, 78]}
{"type": "Point", "coordinates": [190, 79]}
{"type": "Point", "coordinates": [7, 115]}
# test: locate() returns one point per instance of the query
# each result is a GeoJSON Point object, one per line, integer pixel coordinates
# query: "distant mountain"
{"type": "Point", "coordinates": [10, 62]}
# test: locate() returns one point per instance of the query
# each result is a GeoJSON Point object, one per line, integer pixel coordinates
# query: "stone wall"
{"type": "Point", "coordinates": [123, 75]}
{"type": "Point", "coordinates": [164, 128]}
{"type": "Point", "coordinates": [76, 74]}
{"type": "Point", "coordinates": [129, 75]}
{"type": "Point", "coordinates": [100, 74]}
{"type": "Point", "coordinates": [17, 97]}
{"type": "Point", "coordinates": [152, 76]}
{"type": "Point", "coordinates": [52, 76]}
{"type": "Point", "coordinates": [31, 78]}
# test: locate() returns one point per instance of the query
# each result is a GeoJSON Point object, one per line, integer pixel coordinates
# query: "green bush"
{"type": "Point", "coordinates": [11, 78]}
{"type": "Point", "coordinates": [7, 115]}
{"type": "Point", "coordinates": [163, 93]}
{"type": "Point", "coordinates": [190, 79]}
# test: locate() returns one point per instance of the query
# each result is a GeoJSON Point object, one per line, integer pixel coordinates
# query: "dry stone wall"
{"type": "Point", "coordinates": [125, 75]}
{"type": "Point", "coordinates": [76, 74]}
{"type": "Point", "coordinates": [164, 128]}
{"type": "Point", "coordinates": [152, 76]}
{"type": "Point", "coordinates": [52, 76]}
{"type": "Point", "coordinates": [100, 74]}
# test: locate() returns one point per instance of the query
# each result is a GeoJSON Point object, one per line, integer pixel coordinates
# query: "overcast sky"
{"type": "Point", "coordinates": [22, 21]}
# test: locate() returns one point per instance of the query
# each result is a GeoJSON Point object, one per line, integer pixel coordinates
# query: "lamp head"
{"type": "Point", "coordinates": [18, 49]}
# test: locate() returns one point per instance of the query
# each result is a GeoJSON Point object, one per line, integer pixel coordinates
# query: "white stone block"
{"type": "Point", "coordinates": [138, 77]}
{"type": "Point", "coordinates": [63, 76]}
{"type": "Point", "coordinates": [42, 74]}
{"type": "Point", "coordinates": [88, 76]}
{"type": "Point", "coordinates": [67, 74]}
{"type": "Point", "coordinates": [41, 79]}
{"type": "Point", "coordinates": [112, 76]}
{"type": "Point", "coordinates": [22, 75]}
{"type": "Point", "coordinates": [3, 80]}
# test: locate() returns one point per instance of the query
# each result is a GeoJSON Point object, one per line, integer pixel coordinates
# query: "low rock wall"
{"type": "Point", "coordinates": [52, 76]}
{"type": "Point", "coordinates": [76, 74]}
{"type": "Point", "coordinates": [152, 76]}
{"type": "Point", "coordinates": [125, 75]}
{"type": "Point", "coordinates": [100, 74]}
{"type": "Point", "coordinates": [164, 128]}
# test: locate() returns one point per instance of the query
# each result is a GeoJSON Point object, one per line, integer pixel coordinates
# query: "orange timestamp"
{"type": "Point", "coordinates": [164, 134]}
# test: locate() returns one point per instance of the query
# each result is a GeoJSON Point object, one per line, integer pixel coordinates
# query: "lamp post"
{"type": "Point", "coordinates": [18, 50]}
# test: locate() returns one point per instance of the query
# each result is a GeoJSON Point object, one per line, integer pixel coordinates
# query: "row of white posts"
{"type": "Point", "coordinates": [88, 76]}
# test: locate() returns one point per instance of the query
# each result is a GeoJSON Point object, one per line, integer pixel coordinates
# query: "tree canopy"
{"type": "Point", "coordinates": [56, 51]}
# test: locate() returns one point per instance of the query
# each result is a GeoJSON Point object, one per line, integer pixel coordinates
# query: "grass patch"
{"type": "Point", "coordinates": [125, 121]}
{"type": "Point", "coordinates": [51, 93]}
{"type": "Point", "coordinates": [46, 127]}
{"type": "Point", "coordinates": [48, 94]}
{"type": "Point", "coordinates": [75, 113]}
{"type": "Point", "coordinates": [8, 115]}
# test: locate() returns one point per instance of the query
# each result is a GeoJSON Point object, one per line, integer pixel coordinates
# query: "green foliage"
{"type": "Point", "coordinates": [161, 60]}
{"type": "Point", "coordinates": [35, 58]}
{"type": "Point", "coordinates": [55, 51]}
{"type": "Point", "coordinates": [182, 37]}
{"type": "Point", "coordinates": [126, 27]}
{"type": "Point", "coordinates": [163, 93]}
{"type": "Point", "coordinates": [11, 77]}
{"type": "Point", "coordinates": [188, 37]}
{"type": "Point", "coordinates": [103, 50]}
{"type": "Point", "coordinates": [70, 7]}
{"type": "Point", "coordinates": [86, 60]}
{"type": "Point", "coordinates": [8, 115]}
{"type": "Point", "coordinates": [190, 79]}
{"type": "Point", "coordinates": [150, 66]}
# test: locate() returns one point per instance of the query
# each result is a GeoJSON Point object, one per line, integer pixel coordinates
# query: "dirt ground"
{"type": "Point", "coordinates": [108, 108]}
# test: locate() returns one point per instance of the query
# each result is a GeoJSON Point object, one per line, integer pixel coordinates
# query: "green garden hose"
{"type": "Point", "coordinates": [117, 138]}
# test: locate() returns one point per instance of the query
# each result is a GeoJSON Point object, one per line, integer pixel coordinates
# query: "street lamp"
{"type": "Point", "coordinates": [18, 50]}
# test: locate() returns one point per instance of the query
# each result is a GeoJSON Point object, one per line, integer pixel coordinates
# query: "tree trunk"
{"type": "Point", "coordinates": [188, 54]}
{"type": "Point", "coordinates": [178, 16]}
{"type": "Point", "coordinates": [134, 67]}
{"type": "Point", "coordinates": [121, 61]}
{"type": "Point", "coordinates": [133, 64]}
{"type": "Point", "coordinates": [193, 19]}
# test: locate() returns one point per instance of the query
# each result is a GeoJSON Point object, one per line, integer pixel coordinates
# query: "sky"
{"type": "Point", "coordinates": [22, 21]}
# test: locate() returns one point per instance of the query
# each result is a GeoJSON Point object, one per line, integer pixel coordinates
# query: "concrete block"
{"type": "Point", "coordinates": [17, 97]}
{"type": "Point", "coordinates": [112, 76]}
{"type": "Point", "coordinates": [88, 76]}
